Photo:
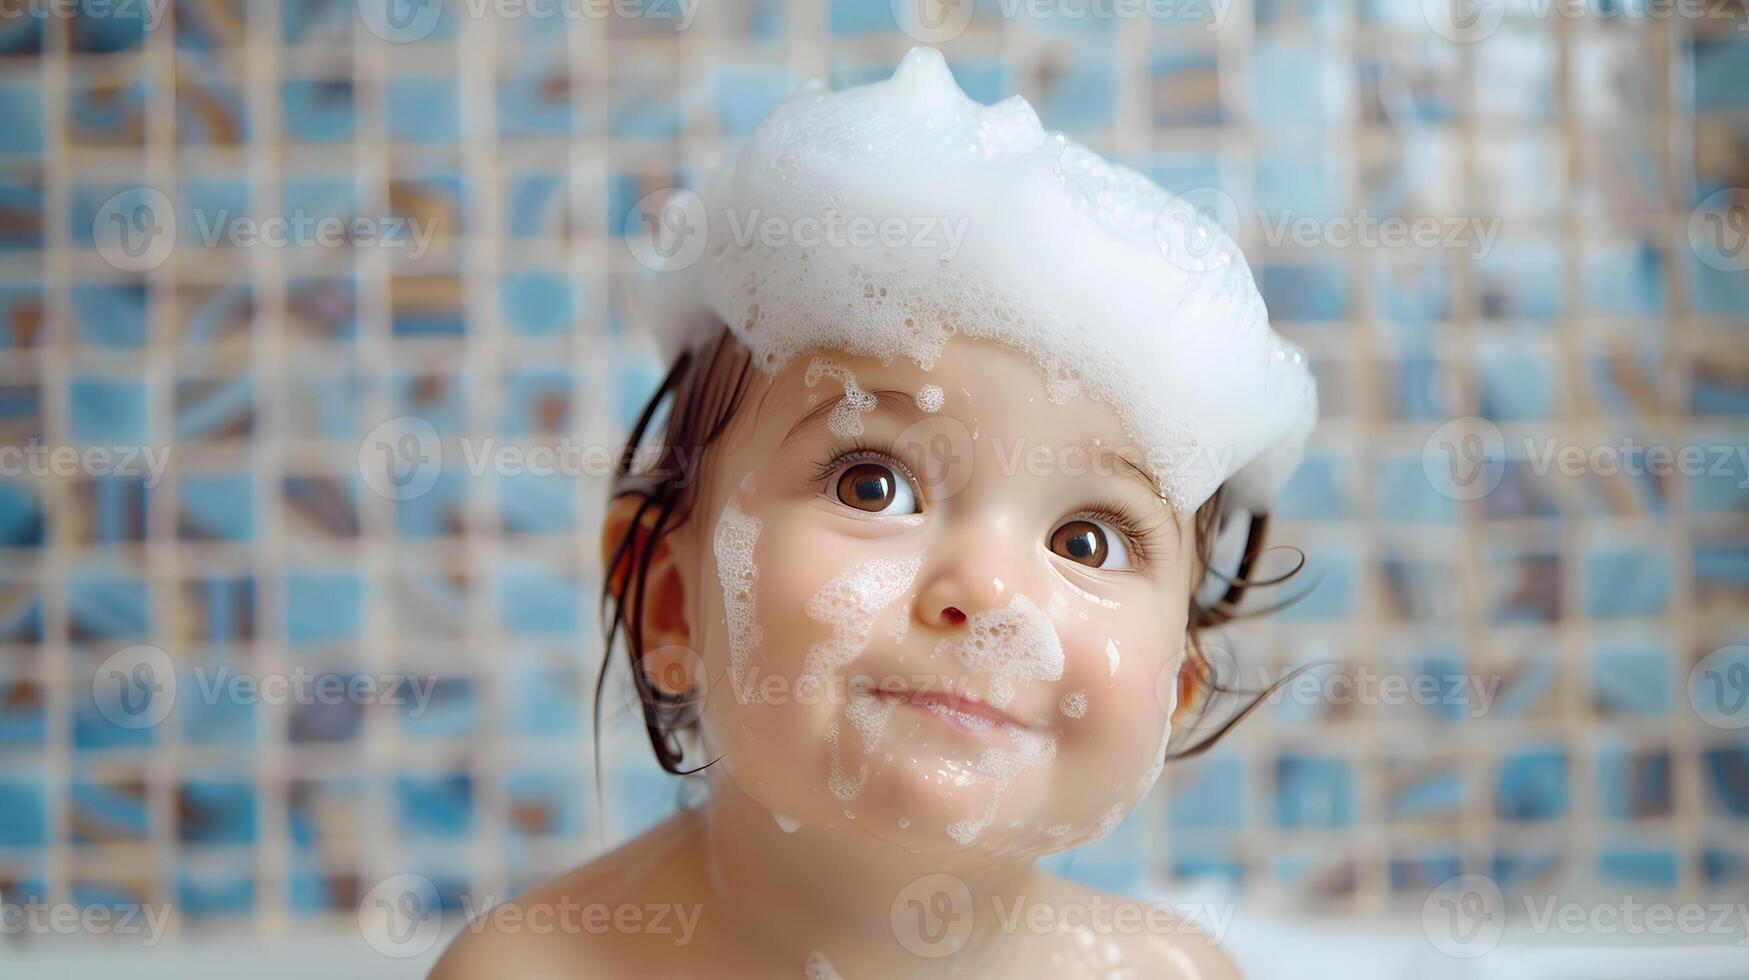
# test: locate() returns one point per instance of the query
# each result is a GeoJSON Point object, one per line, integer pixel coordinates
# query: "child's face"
{"type": "Point", "coordinates": [949, 637]}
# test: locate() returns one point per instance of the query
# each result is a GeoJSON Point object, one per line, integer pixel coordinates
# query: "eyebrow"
{"type": "Point", "coordinates": [1129, 469]}
{"type": "Point", "coordinates": [901, 403]}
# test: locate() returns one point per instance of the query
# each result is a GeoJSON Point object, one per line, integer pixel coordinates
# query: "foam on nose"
{"type": "Point", "coordinates": [1012, 645]}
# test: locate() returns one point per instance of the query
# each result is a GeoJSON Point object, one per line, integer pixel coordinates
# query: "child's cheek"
{"type": "Point", "coordinates": [1112, 703]}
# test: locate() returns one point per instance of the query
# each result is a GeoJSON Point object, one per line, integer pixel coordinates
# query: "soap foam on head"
{"type": "Point", "coordinates": [1115, 288]}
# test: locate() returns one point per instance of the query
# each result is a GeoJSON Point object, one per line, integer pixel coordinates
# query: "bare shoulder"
{"type": "Point", "coordinates": [597, 919]}
{"type": "Point", "coordinates": [1157, 939]}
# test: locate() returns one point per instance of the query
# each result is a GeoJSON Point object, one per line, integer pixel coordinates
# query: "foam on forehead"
{"type": "Point", "coordinates": [882, 220]}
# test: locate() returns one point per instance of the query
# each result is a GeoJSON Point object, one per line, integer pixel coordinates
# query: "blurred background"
{"type": "Point", "coordinates": [262, 261]}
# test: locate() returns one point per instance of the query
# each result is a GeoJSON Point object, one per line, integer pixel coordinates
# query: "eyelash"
{"type": "Point", "coordinates": [1115, 513]}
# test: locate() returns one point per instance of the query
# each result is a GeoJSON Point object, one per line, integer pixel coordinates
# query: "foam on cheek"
{"type": "Point", "coordinates": [849, 604]}
{"type": "Point", "coordinates": [845, 420]}
{"type": "Point", "coordinates": [1014, 644]}
{"type": "Point", "coordinates": [931, 398]}
{"type": "Point", "coordinates": [733, 543]}
{"type": "Point", "coordinates": [1074, 704]}
{"type": "Point", "coordinates": [842, 786]}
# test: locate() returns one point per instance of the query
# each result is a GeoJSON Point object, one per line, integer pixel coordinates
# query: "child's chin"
{"type": "Point", "coordinates": [912, 801]}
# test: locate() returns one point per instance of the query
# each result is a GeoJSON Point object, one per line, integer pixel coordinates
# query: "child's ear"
{"type": "Point", "coordinates": [666, 618]}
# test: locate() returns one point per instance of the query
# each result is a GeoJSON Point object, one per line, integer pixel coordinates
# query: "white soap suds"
{"type": "Point", "coordinates": [930, 398]}
{"type": "Point", "coordinates": [738, 573]}
{"type": "Point", "coordinates": [901, 624]}
{"type": "Point", "coordinates": [1034, 749]}
{"type": "Point", "coordinates": [1013, 644]}
{"type": "Point", "coordinates": [1074, 704]}
{"type": "Point", "coordinates": [1114, 287]}
{"type": "Point", "coordinates": [820, 968]}
{"type": "Point", "coordinates": [747, 482]}
{"type": "Point", "coordinates": [869, 714]}
{"type": "Point", "coordinates": [845, 419]}
{"type": "Point", "coordinates": [849, 604]}
{"type": "Point", "coordinates": [788, 825]}
{"type": "Point", "coordinates": [842, 786]}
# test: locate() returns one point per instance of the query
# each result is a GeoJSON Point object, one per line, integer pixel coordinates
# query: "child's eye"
{"type": "Point", "coordinates": [1092, 543]}
{"type": "Point", "coordinates": [875, 488]}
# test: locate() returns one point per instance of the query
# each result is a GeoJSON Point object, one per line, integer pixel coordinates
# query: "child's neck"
{"type": "Point", "coordinates": [834, 890]}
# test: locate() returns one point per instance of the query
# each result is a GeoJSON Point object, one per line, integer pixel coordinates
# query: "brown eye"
{"type": "Point", "coordinates": [1090, 543]}
{"type": "Point", "coordinates": [875, 489]}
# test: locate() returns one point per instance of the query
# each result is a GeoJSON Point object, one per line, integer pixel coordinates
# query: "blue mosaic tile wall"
{"type": "Point", "coordinates": [1581, 627]}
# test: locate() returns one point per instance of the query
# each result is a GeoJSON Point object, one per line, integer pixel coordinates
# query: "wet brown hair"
{"type": "Point", "coordinates": [703, 390]}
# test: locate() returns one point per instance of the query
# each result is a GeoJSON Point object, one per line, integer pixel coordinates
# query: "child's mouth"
{"type": "Point", "coordinates": [967, 714]}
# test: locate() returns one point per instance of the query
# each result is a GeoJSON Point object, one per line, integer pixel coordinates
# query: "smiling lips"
{"type": "Point", "coordinates": [964, 713]}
